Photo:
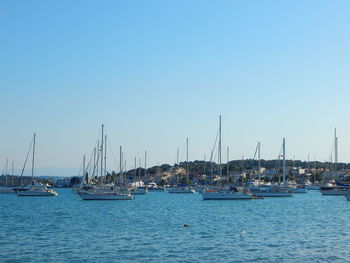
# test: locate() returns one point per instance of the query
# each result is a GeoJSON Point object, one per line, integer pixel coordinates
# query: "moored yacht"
{"type": "Point", "coordinates": [330, 189]}
{"type": "Point", "coordinates": [273, 191]}
{"type": "Point", "coordinates": [221, 193]}
{"type": "Point", "coordinates": [313, 187]}
{"type": "Point", "coordinates": [232, 194]}
{"type": "Point", "coordinates": [34, 189]}
{"type": "Point", "coordinates": [105, 195]}
{"type": "Point", "coordinates": [297, 189]}
{"type": "Point", "coordinates": [38, 191]}
{"type": "Point", "coordinates": [7, 189]}
{"type": "Point", "coordinates": [181, 190]}
{"type": "Point", "coordinates": [139, 191]}
{"type": "Point", "coordinates": [104, 191]}
{"type": "Point", "coordinates": [138, 187]}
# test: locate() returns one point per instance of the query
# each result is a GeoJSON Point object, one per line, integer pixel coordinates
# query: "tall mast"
{"type": "Point", "coordinates": [84, 175]}
{"type": "Point", "coordinates": [211, 165]}
{"type": "Point", "coordinates": [219, 155]}
{"type": "Point", "coordinates": [204, 164]}
{"type": "Point", "coordinates": [120, 162]}
{"type": "Point", "coordinates": [105, 157]}
{"type": "Point", "coordinates": [177, 156]}
{"type": "Point", "coordinates": [97, 156]}
{"type": "Point", "coordinates": [187, 171]}
{"type": "Point", "coordinates": [6, 178]}
{"type": "Point", "coordinates": [145, 167]}
{"type": "Point", "coordinates": [94, 166]}
{"type": "Point", "coordinates": [33, 163]}
{"type": "Point", "coordinates": [228, 160]}
{"type": "Point", "coordinates": [315, 169]}
{"type": "Point", "coordinates": [284, 161]}
{"type": "Point", "coordinates": [124, 172]}
{"type": "Point", "coordinates": [135, 170]}
{"type": "Point", "coordinates": [13, 166]}
{"type": "Point", "coordinates": [335, 150]}
{"type": "Point", "coordinates": [139, 169]}
{"type": "Point", "coordinates": [102, 137]}
{"type": "Point", "coordinates": [259, 162]}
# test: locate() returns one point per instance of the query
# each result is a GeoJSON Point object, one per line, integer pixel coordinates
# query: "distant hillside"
{"type": "Point", "coordinates": [200, 167]}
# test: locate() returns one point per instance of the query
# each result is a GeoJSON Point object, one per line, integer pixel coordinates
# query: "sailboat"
{"type": "Point", "coordinates": [314, 185]}
{"type": "Point", "coordinates": [34, 189]}
{"type": "Point", "coordinates": [104, 191]}
{"type": "Point", "coordinates": [330, 188]}
{"type": "Point", "coordinates": [183, 189]}
{"type": "Point", "coordinates": [223, 194]}
{"type": "Point", "coordinates": [275, 190]}
{"type": "Point", "coordinates": [7, 189]}
{"type": "Point", "coordinates": [141, 190]}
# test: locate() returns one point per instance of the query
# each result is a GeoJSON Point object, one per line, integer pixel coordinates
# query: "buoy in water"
{"type": "Point", "coordinates": [186, 225]}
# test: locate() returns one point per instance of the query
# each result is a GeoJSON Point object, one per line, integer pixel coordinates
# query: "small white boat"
{"type": "Point", "coordinates": [104, 195]}
{"type": "Point", "coordinates": [226, 195]}
{"type": "Point", "coordinates": [181, 190]}
{"type": "Point", "coordinates": [38, 192]}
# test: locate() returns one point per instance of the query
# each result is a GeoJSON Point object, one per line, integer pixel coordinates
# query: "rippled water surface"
{"type": "Point", "coordinates": [304, 228]}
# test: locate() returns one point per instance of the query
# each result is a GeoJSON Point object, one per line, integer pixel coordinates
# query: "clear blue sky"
{"type": "Point", "coordinates": [156, 72]}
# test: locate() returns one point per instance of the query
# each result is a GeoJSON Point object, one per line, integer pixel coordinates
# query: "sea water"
{"type": "Point", "coordinates": [303, 228]}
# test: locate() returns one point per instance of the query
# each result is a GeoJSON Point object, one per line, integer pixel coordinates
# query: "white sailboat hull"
{"type": "Point", "coordinates": [104, 196]}
{"type": "Point", "coordinates": [37, 193]}
{"type": "Point", "coordinates": [155, 189]}
{"type": "Point", "coordinates": [181, 191]}
{"type": "Point", "coordinates": [273, 194]}
{"type": "Point", "coordinates": [226, 196]}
